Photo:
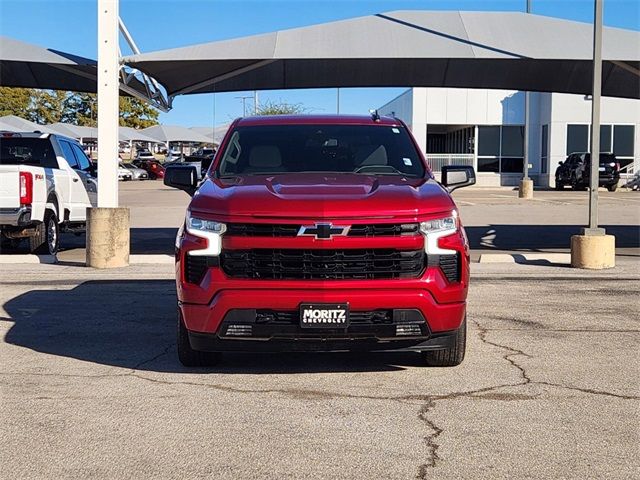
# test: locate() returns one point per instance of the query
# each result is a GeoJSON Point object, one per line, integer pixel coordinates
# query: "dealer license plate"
{"type": "Point", "coordinates": [324, 315]}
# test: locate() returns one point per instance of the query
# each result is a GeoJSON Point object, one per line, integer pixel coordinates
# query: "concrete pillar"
{"type": "Point", "coordinates": [526, 188]}
{"type": "Point", "coordinates": [594, 251]}
{"type": "Point", "coordinates": [108, 237]}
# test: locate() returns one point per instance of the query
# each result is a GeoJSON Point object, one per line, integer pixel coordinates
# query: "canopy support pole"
{"type": "Point", "coordinates": [593, 248]}
{"type": "Point", "coordinates": [526, 184]}
{"type": "Point", "coordinates": [108, 225]}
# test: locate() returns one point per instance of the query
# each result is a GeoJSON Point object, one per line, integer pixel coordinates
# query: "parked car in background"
{"type": "Point", "coordinates": [124, 174]}
{"type": "Point", "coordinates": [203, 158]}
{"type": "Point", "coordinates": [575, 171]}
{"type": "Point", "coordinates": [153, 167]}
{"type": "Point", "coordinates": [136, 173]}
{"type": "Point", "coordinates": [144, 154]}
{"type": "Point", "coordinates": [46, 185]}
{"type": "Point", "coordinates": [185, 161]}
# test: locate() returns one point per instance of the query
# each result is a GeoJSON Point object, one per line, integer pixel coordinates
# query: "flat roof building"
{"type": "Point", "coordinates": [485, 128]}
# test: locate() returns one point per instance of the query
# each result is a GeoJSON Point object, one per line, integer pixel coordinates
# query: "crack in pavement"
{"type": "Point", "coordinates": [428, 401]}
{"type": "Point", "coordinates": [430, 439]}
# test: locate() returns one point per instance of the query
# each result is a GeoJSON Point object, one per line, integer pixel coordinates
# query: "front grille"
{"type": "Point", "coordinates": [290, 230]}
{"type": "Point", "coordinates": [450, 266]}
{"type": "Point", "coordinates": [293, 317]}
{"type": "Point", "coordinates": [323, 264]}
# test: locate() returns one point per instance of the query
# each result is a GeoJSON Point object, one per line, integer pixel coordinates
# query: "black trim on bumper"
{"type": "Point", "coordinates": [284, 334]}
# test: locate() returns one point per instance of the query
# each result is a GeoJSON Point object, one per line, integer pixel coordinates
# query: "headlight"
{"type": "Point", "coordinates": [203, 225]}
{"type": "Point", "coordinates": [439, 225]}
{"type": "Point", "coordinates": [208, 229]}
{"type": "Point", "coordinates": [435, 229]}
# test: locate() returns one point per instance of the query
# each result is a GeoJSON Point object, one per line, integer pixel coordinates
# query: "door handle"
{"type": "Point", "coordinates": [76, 179]}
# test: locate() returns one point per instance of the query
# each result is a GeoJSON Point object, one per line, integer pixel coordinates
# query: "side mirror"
{"type": "Point", "coordinates": [457, 176]}
{"type": "Point", "coordinates": [182, 177]}
{"type": "Point", "coordinates": [560, 162]}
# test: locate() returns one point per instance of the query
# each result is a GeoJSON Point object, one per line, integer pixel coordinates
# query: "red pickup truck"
{"type": "Point", "coordinates": [321, 233]}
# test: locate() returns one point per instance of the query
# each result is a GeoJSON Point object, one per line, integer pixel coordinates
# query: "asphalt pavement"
{"type": "Point", "coordinates": [90, 387]}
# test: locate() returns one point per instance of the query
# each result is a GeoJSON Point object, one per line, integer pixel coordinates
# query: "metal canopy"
{"type": "Point", "coordinates": [507, 50]}
{"type": "Point", "coordinates": [30, 66]}
{"type": "Point", "coordinates": [174, 133]}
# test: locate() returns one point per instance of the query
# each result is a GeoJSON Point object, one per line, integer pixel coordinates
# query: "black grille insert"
{"type": "Point", "coordinates": [356, 230]}
{"type": "Point", "coordinates": [450, 266]}
{"type": "Point", "coordinates": [196, 267]}
{"type": "Point", "coordinates": [323, 264]}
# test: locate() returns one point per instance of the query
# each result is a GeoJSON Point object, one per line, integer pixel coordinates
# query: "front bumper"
{"type": "Point", "coordinates": [16, 217]}
{"type": "Point", "coordinates": [214, 343]}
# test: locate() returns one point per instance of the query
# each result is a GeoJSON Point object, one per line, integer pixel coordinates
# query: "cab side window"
{"type": "Point", "coordinates": [68, 154]}
{"type": "Point", "coordinates": [81, 157]}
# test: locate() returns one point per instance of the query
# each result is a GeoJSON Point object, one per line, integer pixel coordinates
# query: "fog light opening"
{"type": "Point", "coordinates": [408, 330]}
{"type": "Point", "coordinates": [239, 331]}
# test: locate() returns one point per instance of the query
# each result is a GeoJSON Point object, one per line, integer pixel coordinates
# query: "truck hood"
{"type": "Point", "coordinates": [320, 195]}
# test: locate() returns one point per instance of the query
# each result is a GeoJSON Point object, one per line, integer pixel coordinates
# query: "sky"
{"type": "Point", "coordinates": [71, 26]}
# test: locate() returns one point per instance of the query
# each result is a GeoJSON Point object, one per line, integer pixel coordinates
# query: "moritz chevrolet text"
{"type": "Point", "coordinates": [321, 233]}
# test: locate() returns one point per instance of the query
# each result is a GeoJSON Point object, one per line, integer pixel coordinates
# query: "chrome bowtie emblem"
{"type": "Point", "coordinates": [323, 231]}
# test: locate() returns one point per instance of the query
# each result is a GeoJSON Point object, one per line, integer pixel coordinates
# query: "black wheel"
{"type": "Point", "coordinates": [574, 184]}
{"type": "Point", "coordinates": [46, 239]}
{"type": "Point", "coordinates": [612, 187]}
{"type": "Point", "coordinates": [449, 357]}
{"type": "Point", "coordinates": [190, 357]}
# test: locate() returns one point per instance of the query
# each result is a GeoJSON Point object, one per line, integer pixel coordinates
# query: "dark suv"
{"type": "Point", "coordinates": [575, 170]}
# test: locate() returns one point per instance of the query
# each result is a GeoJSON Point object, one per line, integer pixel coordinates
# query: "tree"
{"type": "Point", "coordinates": [282, 108]}
{"type": "Point", "coordinates": [16, 101]}
{"type": "Point", "coordinates": [49, 106]}
{"type": "Point", "coordinates": [136, 113]}
{"type": "Point", "coordinates": [82, 109]}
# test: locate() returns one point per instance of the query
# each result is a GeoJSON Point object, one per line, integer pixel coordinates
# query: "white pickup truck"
{"type": "Point", "coordinates": [46, 184]}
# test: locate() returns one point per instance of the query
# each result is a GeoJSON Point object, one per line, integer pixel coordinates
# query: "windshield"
{"type": "Point", "coordinates": [366, 149]}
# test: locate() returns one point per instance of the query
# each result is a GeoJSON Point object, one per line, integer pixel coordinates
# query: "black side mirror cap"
{"type": "Point", "coordinates": [182, 177]}
{"type": "Point", "coordinates": [457, 176]}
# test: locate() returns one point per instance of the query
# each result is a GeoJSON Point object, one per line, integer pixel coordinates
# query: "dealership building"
{"type": "Point", "coordinates": [485, 129]}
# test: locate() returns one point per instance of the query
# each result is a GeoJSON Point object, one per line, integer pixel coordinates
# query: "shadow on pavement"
{"type": "Point", "coordinates": [143, 241]}
{"type": "Point", "coordinates": [131, 324]}
{"type": "Point", "coordinates": [541, 237]}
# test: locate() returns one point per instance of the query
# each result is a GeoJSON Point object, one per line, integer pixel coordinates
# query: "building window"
{"type": "Point", "coordinates": [512, 142]}
{"type": "Point", "coordinates": [623, 140]}
{"type": "Point", "coordinates": [501, 149]}
{"type": "Point", "coordinates": [489, 141]}
{"type": "Point", "coordinates": [544, 149]}
{"type": "Point", "coordinates": [577, 138]}
{"type": "Point", "coordinates": [489, 165]}
{"type": "Point", "coordinates": [605, 139]}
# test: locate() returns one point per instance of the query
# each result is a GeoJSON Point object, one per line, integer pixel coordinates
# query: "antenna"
{"type": "Point", "coordinates": [375, 116]}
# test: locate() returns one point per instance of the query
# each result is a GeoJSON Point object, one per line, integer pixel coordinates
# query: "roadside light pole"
{"type": "Point", "coordinates": [593, 248]}
{"type": "Point", "coordinates": [244, 103]}
{"type": "Point", "coordinates": [526, 184]}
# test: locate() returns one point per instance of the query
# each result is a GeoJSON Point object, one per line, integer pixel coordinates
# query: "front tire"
{"type": "Point", "coordinates": [449, 357]}
{"type": "Point", "coordinates": [187, 355]}
{"type": "Point", "coordinates": [46, 239]}
{"type": "Point", "coordinates": [613, 187]}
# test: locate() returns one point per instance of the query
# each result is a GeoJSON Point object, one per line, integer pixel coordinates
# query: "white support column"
{"type": "Point", "coordinates": [108, 108]}
{"type": "Point", "coordinates": [108, 236]}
